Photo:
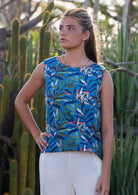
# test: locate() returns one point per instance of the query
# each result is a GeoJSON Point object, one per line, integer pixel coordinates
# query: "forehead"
{"type": "Point", "coordinates": [69, 21]}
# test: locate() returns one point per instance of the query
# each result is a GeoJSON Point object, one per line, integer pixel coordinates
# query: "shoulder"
{"type": "Point", "coordinates": [107, 81]}
{"type": "Point", "coordinates": [38, 72]}
{"type": "Point", "coordinates": [99, 67]}
{"type": "Point", "coordinates": [50, 60]}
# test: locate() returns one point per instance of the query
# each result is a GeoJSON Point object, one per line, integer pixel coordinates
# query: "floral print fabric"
{"type": "Point", "coordinates": [73, 107]}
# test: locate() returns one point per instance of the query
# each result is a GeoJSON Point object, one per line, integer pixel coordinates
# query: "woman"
{"type": "Point", "coordinates": [76, 149]}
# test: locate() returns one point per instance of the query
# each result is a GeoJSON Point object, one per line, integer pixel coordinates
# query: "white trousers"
{"type": "Point", "coordinates": [69, 173]}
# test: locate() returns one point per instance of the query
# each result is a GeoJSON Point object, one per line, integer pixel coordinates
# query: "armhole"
{"type": "Point", "coordinates": [103, 71]}
{"type": "Point", "coordinates": [45, 68]}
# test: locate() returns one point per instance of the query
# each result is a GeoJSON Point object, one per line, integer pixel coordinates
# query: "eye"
{"type": "Point", "coordinates": [60, 28]}
{"type": "Point", "coordinates": [70, 28]}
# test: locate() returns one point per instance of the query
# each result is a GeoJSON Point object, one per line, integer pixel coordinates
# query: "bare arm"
{"type": "Point", "coordinates": [107, 132]}
{"type": "Point", "coordinates": [21, 103]}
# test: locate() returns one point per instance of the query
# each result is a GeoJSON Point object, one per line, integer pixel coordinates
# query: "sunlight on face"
{"type": "Point", "coordinates": [69, 25]}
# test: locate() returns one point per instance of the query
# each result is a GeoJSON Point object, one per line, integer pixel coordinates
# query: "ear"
{"type": "Point", "coordinates": [86, 35]}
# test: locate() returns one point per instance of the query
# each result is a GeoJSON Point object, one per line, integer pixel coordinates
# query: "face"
{"type": "Point", "coordinates": [71, 34]}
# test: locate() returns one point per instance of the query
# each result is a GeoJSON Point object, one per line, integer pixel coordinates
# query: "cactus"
{"type": "Point", "coordinates": [19, 131]}
{"type": "Point", "coordinates": [50, 6]}
{"type": "Point", "coordinates": [39, 104]}
{"type": "Point", "coordinates": [13, 177]}
{"type": "Point", "coordinates": [27, 191]}
{"type": "Point", "coordinates": [14, 84]}
{"type": "Point", "coordinates": [16, 131]}
{"type": "Point", "coordinates": [46, 47]}
{"type": "Point", "coordinates": [46, 17]}
{"type": "Point", "coordinates": [1, 94]}
{"type": "Point", "coordinates": [23, 163]}
{"type": "Point", "coordinates": [41, 38]}
{"type": "Point", "coordinates": [5, 94]}
{"type": "Point", "coordinates": [23, 59]}
{"type": "Point", "coordinates": [31, 160]}
{"type": "Point", "coordinates": [14, 46]}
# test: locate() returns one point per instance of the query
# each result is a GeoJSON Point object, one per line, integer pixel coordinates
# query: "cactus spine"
{"type": "Point", "coordinates": [14, 46]}
{"type": "Point", "coordinates": [23, 163]}
{"type": "Point", "coordinates": [13, 177]}
{"type": "Point", "coordinates": [23, 59]}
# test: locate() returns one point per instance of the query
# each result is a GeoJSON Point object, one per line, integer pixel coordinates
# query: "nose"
{"type": "Point", "coordinates": [62, 32]}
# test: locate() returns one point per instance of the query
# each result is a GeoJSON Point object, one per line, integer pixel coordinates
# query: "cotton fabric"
{"type": "Point", "coordinates": [73, 107]}
{"type": "Point", "coordinates": [69, 173]}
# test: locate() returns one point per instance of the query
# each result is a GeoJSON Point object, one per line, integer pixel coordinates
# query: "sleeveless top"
{"type": "Point", "coordinates": [73, 107]}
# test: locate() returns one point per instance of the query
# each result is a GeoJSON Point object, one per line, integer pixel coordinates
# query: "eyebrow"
{"type": "Point", "coordinates": [69, 25]}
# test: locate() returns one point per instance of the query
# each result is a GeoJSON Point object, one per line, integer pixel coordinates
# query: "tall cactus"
{"type": "Point", "coordinates": [42, 36]}
{"type": "Point", "coordinates": [1, 93]}
{"type": "Point", "coordinates": [23, 163]}
{"type": "Point", "coordinates": [41, 46]}
{"type": "Point", "coordinates": [39, 104]}
{"type": "Point", "coordinates": [19, 131]}
{"type": "Point", "coordinates": [14, 84]}
{"type": "Point", "coordinates": [31, 161]}
{"type": "Point", "coordinates": [5, 94]}
{"type": "Point", "coordinates": [23, 59]}
{"type": "Point", "coordinates": [13, 177]}
{"type": "Point", "coordinates": [46, 47]}
{"type": "Point", "coordinates": [14, 46]}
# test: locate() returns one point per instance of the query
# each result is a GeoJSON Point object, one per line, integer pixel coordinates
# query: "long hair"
{"type": "Point", "coordinates": [91, 48]}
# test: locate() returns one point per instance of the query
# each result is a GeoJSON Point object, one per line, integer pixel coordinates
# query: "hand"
{"type": "Point", "coordinates": [103, 185]}
{"type": "Point", "coordinates": [41, 142]}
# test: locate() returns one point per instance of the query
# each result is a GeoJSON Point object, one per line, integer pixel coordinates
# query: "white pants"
{"type": "Point", "coordinates": [69, 173]}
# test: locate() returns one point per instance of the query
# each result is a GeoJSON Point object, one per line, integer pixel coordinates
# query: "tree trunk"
{"type": "Point", "coordinates": [86, 4]}
{"type": "Point", "coordinates": [96, 9]}
{"type": "Point", "coordinates": [2, 53]}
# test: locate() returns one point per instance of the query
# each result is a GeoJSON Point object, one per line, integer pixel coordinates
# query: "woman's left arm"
{"type": "Point", "coordinates": [107, 91]}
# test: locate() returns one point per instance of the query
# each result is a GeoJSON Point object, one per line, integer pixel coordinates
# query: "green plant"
{"type": "Point", "coordinates": [23, 163]}
{"type": "Point", "coordinates": [31, 160]}
{"type": "Point", "coordinates": [4, 101]}
{"type": "Point", "coordinates": [13, 177]}
{"type": "Point", "coordinates": [124, 165]}
{"type": "Point", "coordinates": [27, 191]}
{"type": "Point", "coordinates": [23, 59]}
{"type": "Point", "coordinates": [14, 47]}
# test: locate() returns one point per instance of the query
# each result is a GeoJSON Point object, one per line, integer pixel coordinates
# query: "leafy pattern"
{"type": "Point", "coordinates": [73, 116]}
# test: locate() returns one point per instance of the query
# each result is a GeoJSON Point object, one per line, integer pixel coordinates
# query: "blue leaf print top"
{"type": "Point", "coordinates": [73, 113]}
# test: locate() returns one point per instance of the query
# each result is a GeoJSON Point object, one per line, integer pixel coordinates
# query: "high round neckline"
{"type": "Point", "coordinates": [79, 67]}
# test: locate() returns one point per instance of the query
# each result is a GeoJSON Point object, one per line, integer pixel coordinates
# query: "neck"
{"type": "Point", "coordinates": [75, 58]}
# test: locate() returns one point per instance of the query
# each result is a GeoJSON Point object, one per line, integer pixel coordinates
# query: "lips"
{"type": "Point", "coordinates": [63, 40]}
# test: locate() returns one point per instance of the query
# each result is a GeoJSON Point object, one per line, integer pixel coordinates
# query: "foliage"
{"type": "Point", "coordinates": [124, 166]}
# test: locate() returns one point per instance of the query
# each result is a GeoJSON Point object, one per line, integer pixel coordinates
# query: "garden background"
{"type": "Point", "coordinates": [28, 35]}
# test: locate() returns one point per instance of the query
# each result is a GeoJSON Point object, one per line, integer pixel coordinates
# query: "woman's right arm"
{"type": "Point", "coordinates": [35, 82]}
